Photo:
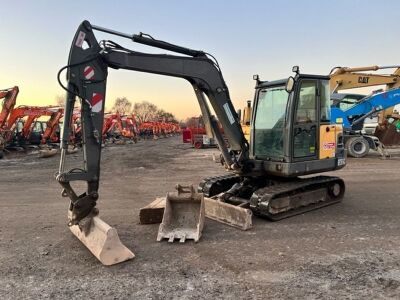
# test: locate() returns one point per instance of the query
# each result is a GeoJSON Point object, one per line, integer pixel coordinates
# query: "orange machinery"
{"type": "Point", "coordinates": [51, 127]}
{"type": "Point", "coordinates": [10, 98]}
{"type": "Point", "coordinates": [129, 128]}
{"type": "Point", "coordinates": [123, 125]}
{"type": "Point", "coordinates": [158, 129]}
{"type": "Point", "coordinates": [151, 128]}
{"type": "Point", "coordinates": [31, 113]}
{"type": "Point", "coordinates": [76, 134]}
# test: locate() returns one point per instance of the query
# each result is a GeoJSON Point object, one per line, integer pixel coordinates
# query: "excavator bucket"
{"type": "Point", "coordinates": [184, 215]}
{"type": "Point", "coordinates": [102, 240]}
{"type": "Point", "coordinates": [44, 153]}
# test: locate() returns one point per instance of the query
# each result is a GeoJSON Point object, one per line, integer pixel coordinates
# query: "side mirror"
{"type": "Point", "coordinates": [289, 84]}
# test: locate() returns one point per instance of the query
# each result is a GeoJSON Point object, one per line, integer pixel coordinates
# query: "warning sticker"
{"type": "Point", "coordinates": [97, 102]}
{"type": "Point", "coordinates": [88, 72]}
{"type": "Point", "coordinates": [328, 146]}
{"type": "Point", "coordinates": [80, 39]}
{"type": "Point", "coordinates": [229, 113]}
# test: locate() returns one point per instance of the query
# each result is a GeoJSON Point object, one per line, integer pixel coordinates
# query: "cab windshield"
{"type": "Point", "coordinates": [270, 121]}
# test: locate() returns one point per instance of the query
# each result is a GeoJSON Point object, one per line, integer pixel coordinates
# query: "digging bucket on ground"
{"type": "Point", "coordinates": [184, 215]}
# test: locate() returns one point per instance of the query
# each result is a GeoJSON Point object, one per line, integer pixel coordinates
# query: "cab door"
{"type": "Point", "coordinates": [306, 122]}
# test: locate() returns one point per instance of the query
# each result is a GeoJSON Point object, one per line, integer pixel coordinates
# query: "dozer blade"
{"type": "Point", "coordinates": [183, 217]}
{"type": "Point", "coordinates": [229, 214]}
{"type": "Point", "coordinates": [102, 240]}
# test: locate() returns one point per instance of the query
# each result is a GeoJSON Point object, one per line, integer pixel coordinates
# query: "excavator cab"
{"type": "Point", "coordinates": [291, 130]}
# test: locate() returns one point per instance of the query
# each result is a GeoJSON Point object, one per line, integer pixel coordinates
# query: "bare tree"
{"type": "Point", "coordinates": [60, 100]}
{"type": "Point", "coordinates": [194, 121]}
{"type": "Point", "coordinates": [121, 105]}
{"type": "Point", "coordinates": [165, 116]}
{"type": "Point", "coordinates": [145, 111]}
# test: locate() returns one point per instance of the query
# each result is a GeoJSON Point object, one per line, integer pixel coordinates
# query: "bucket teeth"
{"type": "Point", "coordinates": [183, 217]}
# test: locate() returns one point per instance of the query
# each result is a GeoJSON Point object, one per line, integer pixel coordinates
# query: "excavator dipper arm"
{"type": "Point", "coordinates": [10, 97]}
{"type": "Point", "coordinates": [86, 77]}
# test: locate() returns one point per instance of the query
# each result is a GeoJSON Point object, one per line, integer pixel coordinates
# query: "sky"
{"type": "Point", "coordinates": [247, 37]}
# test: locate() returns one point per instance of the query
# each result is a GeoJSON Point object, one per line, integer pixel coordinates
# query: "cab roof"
{"type": "Point", "coordinates": [262, 84]}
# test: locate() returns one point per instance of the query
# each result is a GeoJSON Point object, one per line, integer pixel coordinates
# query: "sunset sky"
{"type": "Point", "coordinates": [247, 37]}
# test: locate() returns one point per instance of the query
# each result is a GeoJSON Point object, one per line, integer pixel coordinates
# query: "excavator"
{"type": "Point", "coordinates": [116, 125]}
{"type": "Point", "coordinates": [10, 99]}
{"type": "Point", "coordinates": [129, 127]}
{"type": "Point", "coordinates": [31, 113]}
{"type": "Point", "coordinates": [150, 128]}
{"type": "Point", "coordinates": [52, 125]}
{"type": "Point", "coordinates": [291, 135]}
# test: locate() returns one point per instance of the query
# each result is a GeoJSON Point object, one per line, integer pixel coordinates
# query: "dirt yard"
{"type": "Point", "coordinates": [346, 251]}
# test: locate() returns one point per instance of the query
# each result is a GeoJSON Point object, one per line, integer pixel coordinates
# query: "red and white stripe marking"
{"type": "Point", "coordinates": [97, 102]}
{"type": "Point", "coordinates": [88, 72]}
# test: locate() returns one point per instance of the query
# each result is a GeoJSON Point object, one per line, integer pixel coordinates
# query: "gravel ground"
{"type": "Point", "coordinates": [345, 251]}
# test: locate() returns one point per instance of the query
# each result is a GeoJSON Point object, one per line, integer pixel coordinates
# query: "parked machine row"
{"type": "Point", "coordinates": [23, 126]}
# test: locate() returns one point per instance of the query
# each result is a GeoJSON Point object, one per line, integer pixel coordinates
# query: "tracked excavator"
{"type": "Point", "coordinates": [10, 99]}
{"type": "Point", "coordinates": [50, 133]}
{"type": "Point", "coordinates": [31, 113]}
{"type": "Point", "coordinates": [291, 135]}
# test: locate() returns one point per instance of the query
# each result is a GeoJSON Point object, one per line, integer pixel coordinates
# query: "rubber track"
{"type": "Point", "coordinates": [207, 185]}
{"type": "Point", "coordinates": [294, 188]}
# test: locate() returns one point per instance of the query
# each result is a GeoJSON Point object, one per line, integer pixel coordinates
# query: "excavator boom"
{"type": "Point", "coordinates": [10, 99]}
{"type": "Point", "coordinates": [366, 107]}
{"type": "Point", "coordinates": [343, 78]}
{"type": "Point", "coordinates": [200, 71]}
{"type": "Point", "coordinates": [52, 125]}
{"type": "Point", "coordinates": [87, 75]}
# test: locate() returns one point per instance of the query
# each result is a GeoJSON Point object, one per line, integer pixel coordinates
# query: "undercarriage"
{"type": "Point", "coordinates": [275, 199]}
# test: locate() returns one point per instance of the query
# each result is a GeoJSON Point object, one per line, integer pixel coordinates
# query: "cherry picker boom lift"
{"type": "Point", "coordinates": [291, 135]}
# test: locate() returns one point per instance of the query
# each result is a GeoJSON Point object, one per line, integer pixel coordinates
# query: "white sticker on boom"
{"type": "Point", "coordinates": [80, 39]}
{"type": "Point", "coordinates": [229, 113]}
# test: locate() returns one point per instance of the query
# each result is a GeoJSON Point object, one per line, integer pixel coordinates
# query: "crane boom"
{"type": "Point", "coordinates": [366, 107]}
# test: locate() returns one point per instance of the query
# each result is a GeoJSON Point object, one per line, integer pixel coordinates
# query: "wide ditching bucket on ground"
{"type": "Point", "coordinates": [184, 215]}
{"type": "Point", "coordinates": [229, 214]}
{"type": "Point", "coordinates": [102, 240]}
